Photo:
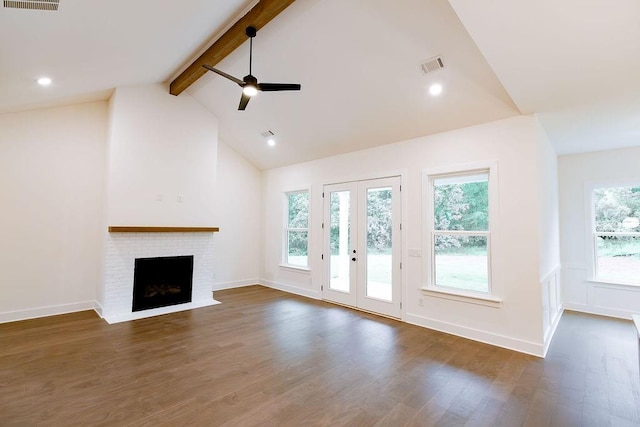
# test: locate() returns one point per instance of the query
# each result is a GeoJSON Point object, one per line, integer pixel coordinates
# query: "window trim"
{"type": "Point", "coordinates": [591, 233]}
{"type": "Point", "coordinates": [429, 288]}
{"type": "Point", "coordinates": [463, 296]}
{"type": "Point", "coordinates": [285, 241]}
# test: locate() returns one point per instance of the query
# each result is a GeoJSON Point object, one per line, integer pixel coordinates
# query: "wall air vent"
{"type": "Point", "coordinates": [432, 64]}
{"type": "Point", "coordinates": [32, 4]}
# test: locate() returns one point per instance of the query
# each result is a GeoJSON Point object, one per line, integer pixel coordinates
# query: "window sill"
{"type": "Point", "coordinates": [463, 297]}
{"type": "Point", "coordinates": [614, 284]}
{"type": "Point", "coordinates": [295, 268]}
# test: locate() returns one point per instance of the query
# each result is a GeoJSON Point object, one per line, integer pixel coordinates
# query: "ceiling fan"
{"type": "Point", "coordinates": [249, 83]}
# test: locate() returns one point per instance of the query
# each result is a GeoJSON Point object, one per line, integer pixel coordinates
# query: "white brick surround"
{"type": "Point", "coordinates": [123, 248]}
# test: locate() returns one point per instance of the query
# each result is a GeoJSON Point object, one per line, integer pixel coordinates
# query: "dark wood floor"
{"type": "Point", "coordinates": [264, 357]}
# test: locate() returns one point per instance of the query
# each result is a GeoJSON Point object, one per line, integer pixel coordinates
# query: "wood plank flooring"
{"type": "Point", "coordinates": [268, 358]}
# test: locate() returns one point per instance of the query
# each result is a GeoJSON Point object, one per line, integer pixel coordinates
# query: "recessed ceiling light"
{"type": "Point", "coordinates": [435, 89]}
{"type": "Point", "coordinates": [44, 81]}
{"type": "Point", "coordinates": [271, 142]}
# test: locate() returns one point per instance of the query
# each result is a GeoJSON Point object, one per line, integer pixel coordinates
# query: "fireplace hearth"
{"type": "Point", "coordinates": [161, 282]}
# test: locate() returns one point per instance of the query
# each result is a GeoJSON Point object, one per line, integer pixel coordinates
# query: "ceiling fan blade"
{"type": "Point", "coordinates": [243, 101]}
{"type": "Point", "coordinates": [225, 75]}
{"type": "Point", "coordinates": [274, 87]}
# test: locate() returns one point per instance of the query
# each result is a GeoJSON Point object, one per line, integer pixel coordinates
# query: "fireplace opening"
{"type": "Point", "coordinates": [160, 282]}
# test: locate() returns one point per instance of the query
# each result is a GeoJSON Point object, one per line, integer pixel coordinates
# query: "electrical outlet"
{"type": "Point", "coordinates": [420, 302]}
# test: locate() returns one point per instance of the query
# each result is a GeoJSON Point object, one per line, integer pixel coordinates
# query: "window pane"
{"type": "Point", "coordinates": [379, 233]}
{"type": "Point", "coordinates": [619, 258]}
{"type": "Point", "coordinates": [461, 202]}
{"type": "Point", "coordinates": [617, 209]}
{"type": "Point", "coordinates": [298, 210]}
{"type": "Point", "coordinates": [297, 248]}
{"type": "Point", "coordinates": [461, 262]}
{"type": "Point", "coordinates": [339, 241]}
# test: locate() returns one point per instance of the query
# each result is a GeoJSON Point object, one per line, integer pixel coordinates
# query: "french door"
{"type": "Point", "coordinates": [362, 251]}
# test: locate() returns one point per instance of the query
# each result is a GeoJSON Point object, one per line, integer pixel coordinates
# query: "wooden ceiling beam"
{"type": "Point", "coordinates": [257, 17]}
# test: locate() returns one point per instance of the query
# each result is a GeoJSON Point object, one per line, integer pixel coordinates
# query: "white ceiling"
{"type": "Point", "coordinates": [575, 63]}
{"type": "Point", "coordinates": [89, 47]}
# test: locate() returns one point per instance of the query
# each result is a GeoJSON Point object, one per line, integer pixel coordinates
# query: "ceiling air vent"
{"type": "Point", "coordinates": [267, 134]}
{"type": "Point", "coordinates": [33, 4]}
{"type": "Point", "coordinates": [432, 64]}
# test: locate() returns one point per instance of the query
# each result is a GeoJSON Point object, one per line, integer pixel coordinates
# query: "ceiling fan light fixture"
{"type": "Point", "coordinates": [250, 90]}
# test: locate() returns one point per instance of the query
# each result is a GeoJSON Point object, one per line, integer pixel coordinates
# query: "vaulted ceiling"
{"type": "Point", "coordinates": [574, 63]}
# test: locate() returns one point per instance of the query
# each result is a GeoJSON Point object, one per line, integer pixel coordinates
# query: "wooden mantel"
{"type": "Point", "coordinates": [139, 229]}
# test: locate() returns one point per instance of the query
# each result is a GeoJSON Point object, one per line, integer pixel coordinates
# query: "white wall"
{"type": "Point", "coordinates": [575, 172]}
{"type": "Point", "coordinates": [160, 147]}
{"type": "Point", "coordinates": [52, 181]}
{"type": "Point", "coordinates": [161, 165]}
{"type": "Point", "coordinates": [514, 144]}
{"type": "Point", "coordinates": [549, 205]}
{"type": "Point", "coordinates": [238, 210]}
{"type": "Point", "coordinates": [549, 235]}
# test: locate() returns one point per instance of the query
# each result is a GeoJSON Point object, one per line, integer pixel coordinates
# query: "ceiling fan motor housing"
{"type": "Point", "coordinates": [250, 80]}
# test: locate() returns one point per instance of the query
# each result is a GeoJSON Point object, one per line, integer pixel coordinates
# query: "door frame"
{"type": "Point", "coordinates": [399, 250]}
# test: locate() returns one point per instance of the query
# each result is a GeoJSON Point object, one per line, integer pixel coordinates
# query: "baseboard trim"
{"type": "Point", "coordinates": [235, 284]}
{"type": "Point", "coordinates": [98, 308]}
{"type": "Point", "coordinates": [477, 335]}
{"type": "Point", "coordinates": [548, 337]}
{"type": "Point", "coordinates": [53, 310]}
{"type": "Point", "coordinates": [309, 293]}
{"type": "Point", "coordinates": [599, 311]}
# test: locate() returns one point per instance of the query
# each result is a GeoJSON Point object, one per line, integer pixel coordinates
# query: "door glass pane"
{"type": "Point", "coordinates": [379, 234]}
{"type": "Point", "coordinates": [340, 241]}
{"type": "Point", "coordinates": [461, 262]}
{"type": "Point", "coordinates": [618, 258]}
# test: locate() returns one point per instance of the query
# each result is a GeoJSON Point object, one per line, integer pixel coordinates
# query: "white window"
{"type": "Point", "coordinates": [459, 231]}
{"type": "Point", "coordinates": [296, 236]}
{"type": "Point", "coordinates": [616, 234]}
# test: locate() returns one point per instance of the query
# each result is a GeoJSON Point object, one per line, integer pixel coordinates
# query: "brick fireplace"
{"type": "Point", "coordinates": [126, 245]}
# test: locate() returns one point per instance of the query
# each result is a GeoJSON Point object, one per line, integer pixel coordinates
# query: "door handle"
{"type": "Point", "coordinates": [353, 259]}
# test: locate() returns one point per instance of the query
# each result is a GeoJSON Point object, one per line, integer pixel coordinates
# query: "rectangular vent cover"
{"type": "Point", "coordinates": [267, 134]}
{"type": "Point", "coordinates": [33, 4]}
{"type": "Point", "coordinates": [431, 65]}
